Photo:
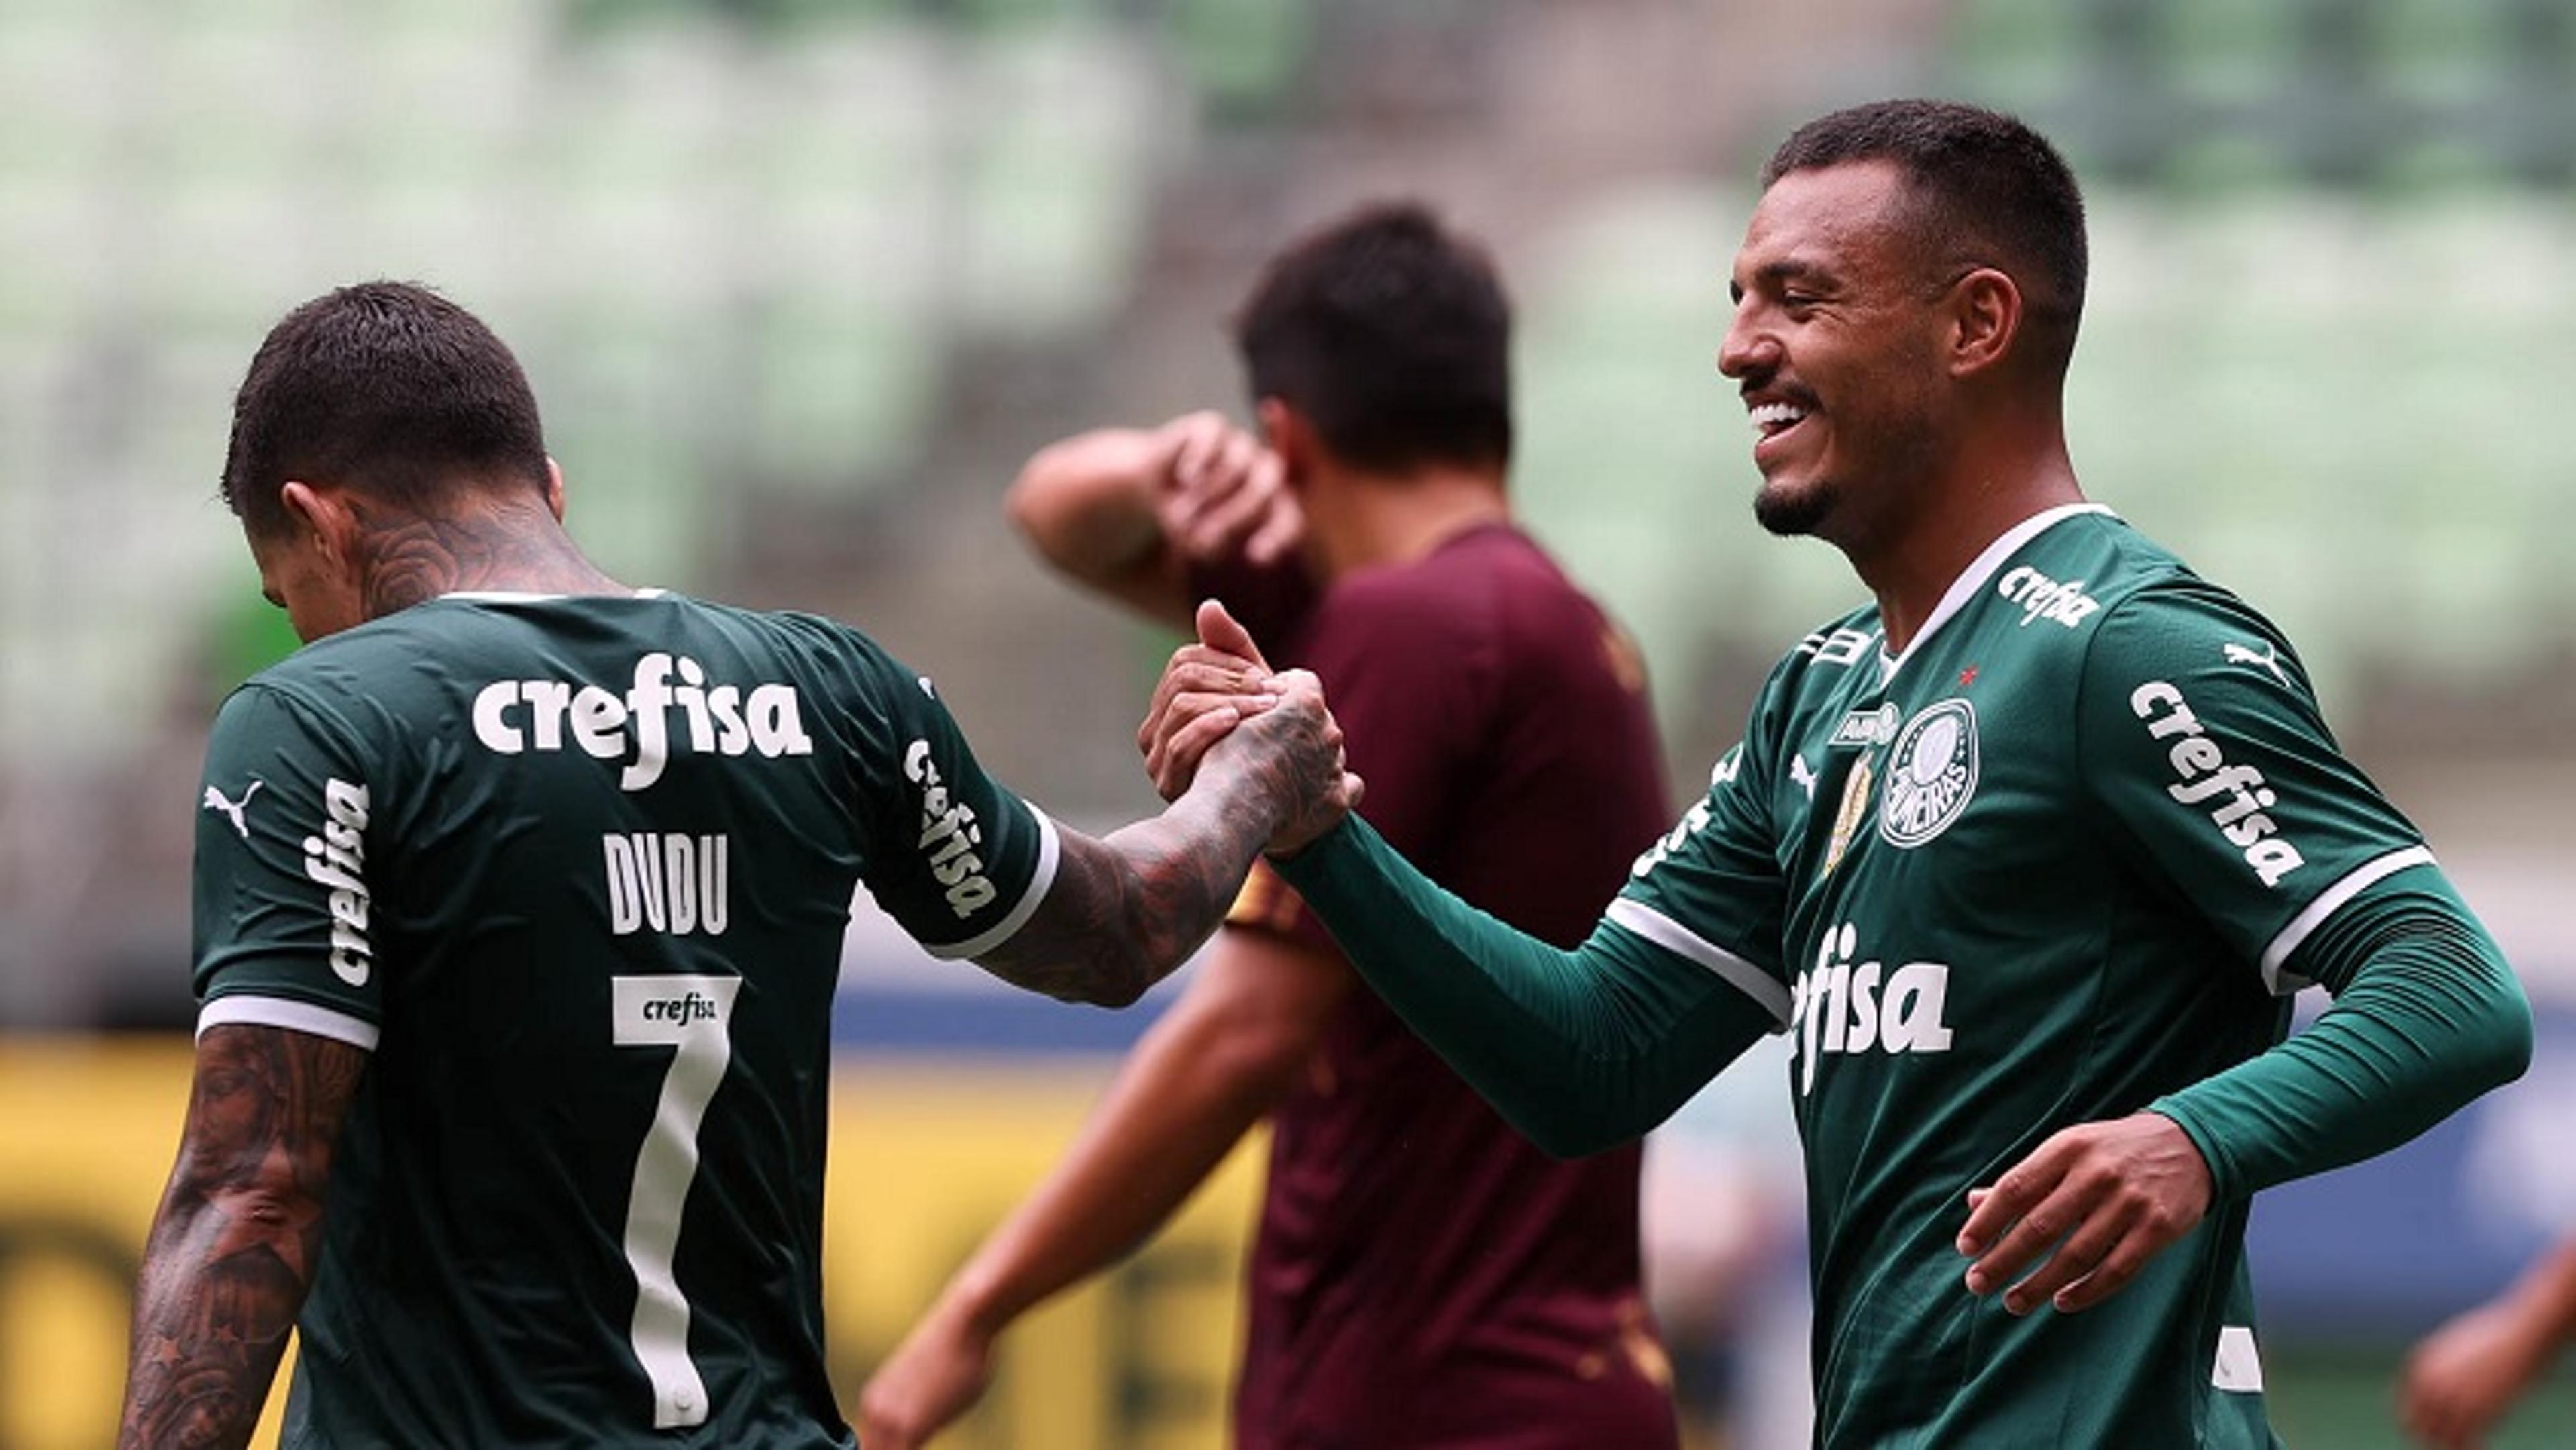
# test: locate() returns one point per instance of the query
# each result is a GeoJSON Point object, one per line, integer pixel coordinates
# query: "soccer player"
{"type": "Point", "coordinates": [2027, 857]}
{"type": "Point", "coordinates": [519, 900]}
{"type": "Point", "coordinates": [2461, 1380]}
{"type": "Point", "coordinates": [1421, 1275]}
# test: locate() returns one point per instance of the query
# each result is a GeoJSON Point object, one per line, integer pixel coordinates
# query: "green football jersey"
{"type": "Point", "coordinates": [2055, 860]}
{"type": "Point", "coordinates": [576, 871]}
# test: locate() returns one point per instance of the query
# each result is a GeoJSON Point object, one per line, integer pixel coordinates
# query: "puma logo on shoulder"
{"type": "Point", "coordinates": [2269, 659]}
{"type": "Point", "coordinates": [235, 810]}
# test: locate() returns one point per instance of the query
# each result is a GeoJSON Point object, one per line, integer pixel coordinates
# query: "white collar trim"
{"type": "Point", "coordinates": [512, 596]}
{"type": "Point", "coordinates": [1974, 577]}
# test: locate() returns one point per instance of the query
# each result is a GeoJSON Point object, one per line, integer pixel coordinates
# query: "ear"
{"type": "Point", "coordinates": [554, 487]}
{"type": "Point", "coordinates": [323, 512]}
{"type": "Point", "coordinates": [1290, 436]}
{"type": "Point", "coordinates": [1985, 315]}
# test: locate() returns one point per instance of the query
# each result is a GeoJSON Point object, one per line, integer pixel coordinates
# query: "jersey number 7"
{"type": "Point", "coordinates": [693, 1015]}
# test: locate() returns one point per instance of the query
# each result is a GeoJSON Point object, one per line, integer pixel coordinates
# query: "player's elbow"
{"type": "Point", "coordinates": [2505, 1046]}
{"type": "Point", "coordinates": [1114, 992]}
{"type": "Point", "coordinates": [1569, 1120]}
{"type": "Point", "coordinates": [1565, 1136]}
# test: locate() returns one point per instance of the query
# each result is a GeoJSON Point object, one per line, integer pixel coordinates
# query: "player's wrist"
{"type": "Point", "coordinates": [974, 1307]}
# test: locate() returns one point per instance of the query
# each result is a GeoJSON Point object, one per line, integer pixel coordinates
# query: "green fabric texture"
{"type": "Point", "coordinates": [1580, 1050]}
{"type": "Point", "coordinates": [2426, 1016]}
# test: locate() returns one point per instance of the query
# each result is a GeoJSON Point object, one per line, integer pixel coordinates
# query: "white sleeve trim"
{"type": "Point", "coordinates": [1003, 930]}
{"type": "Point", "coordinates": [243, 1009]}
{"type": "Point", "coordinates": [2329, 901]}
{"type": "Point", "coordinates": [1643, 920]}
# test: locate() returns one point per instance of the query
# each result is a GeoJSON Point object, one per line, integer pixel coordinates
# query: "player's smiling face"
{"type": "Point", "coordinates": [1834, 344]}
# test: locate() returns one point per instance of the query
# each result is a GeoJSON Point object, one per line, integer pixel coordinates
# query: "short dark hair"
{"type": "Point", "coordinates": [1992, 191]}
{"type": "Point", "coordinates": [1391, 335]}
{"type": "Point", "coordinates": [384, 387]}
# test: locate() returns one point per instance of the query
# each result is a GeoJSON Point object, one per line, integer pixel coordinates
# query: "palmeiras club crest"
{"type": "Point", "coordinates": [1931, 774]}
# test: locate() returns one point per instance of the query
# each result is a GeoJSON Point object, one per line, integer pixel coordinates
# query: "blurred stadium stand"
{"type": "Point", "coordinates": [801, 281]}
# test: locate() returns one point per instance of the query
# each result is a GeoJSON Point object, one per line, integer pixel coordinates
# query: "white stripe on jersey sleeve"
{"type": "Point", "coordinates": [2302, 926]}
{"type": "Point", "coordinates": [1643, 920]}
{"type": "Point", "coordinates": [245, 1009]}
{"type": "Point", "coordinates": [1039, 880]}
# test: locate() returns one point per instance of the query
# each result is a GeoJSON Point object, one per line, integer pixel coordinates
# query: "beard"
{"type": "Point", "coordinates": [1847, 498]}
{"type": "Point", "coordinates": [1793, 513]}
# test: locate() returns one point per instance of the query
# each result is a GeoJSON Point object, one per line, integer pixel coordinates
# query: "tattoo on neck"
{"type": "Point", "coordinates": [411, 558]}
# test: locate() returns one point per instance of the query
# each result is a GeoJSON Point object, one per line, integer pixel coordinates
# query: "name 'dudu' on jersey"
{"type": "Point", "coordinates": [511, 716]}
{"type": "Point", "coordinates": [668, 882]}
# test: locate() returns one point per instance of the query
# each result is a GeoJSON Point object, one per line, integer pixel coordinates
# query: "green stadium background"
{"type": "Point", "coordinates": [800, 282]}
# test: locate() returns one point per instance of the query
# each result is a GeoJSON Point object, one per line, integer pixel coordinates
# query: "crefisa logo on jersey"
{"type": "Point", "coordinates": [1931, 774]}
{"type": "Point", "coordinates": [2041, 597]}
{"type": "Point", "coordinates": [949, 836]}
{"type": "Point", "coordinates": [2240, 793]}
{"type": "Point", "coordinates": [337, 858]}
{"type": "Point", "coordinates": [515, 715]}
{"type": "Point", "coordinates": [1841, 1006]}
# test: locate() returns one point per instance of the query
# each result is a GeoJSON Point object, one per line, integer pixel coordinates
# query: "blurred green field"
{"type": "Point", "coordinates": [2343, 1399]}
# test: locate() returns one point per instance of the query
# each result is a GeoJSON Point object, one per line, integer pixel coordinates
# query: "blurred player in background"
{"type": "Point", "coordinates": [2027, 857]}
{"type": "Point", "coordinates": [519, 901]}
{"type": "Point", "coordinates": [2461, 1380]}
{"type": "Point", "coordinates": [1421, 1275]}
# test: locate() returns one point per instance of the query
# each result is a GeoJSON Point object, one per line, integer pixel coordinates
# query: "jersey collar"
{"type": "Point", "coordinates": [1974, 578]}
{"type": "Point", "coordinates": [512, 596]}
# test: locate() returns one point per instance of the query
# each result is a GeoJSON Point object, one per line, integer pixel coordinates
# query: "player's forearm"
{"type": "Point", "coordinates": [1179, 1105]}
{"type": "Point", "coordinates": [2429, 1018]}
{"type": "Point", "coordinates": [1126, 909]}
{"type": "Point", "coordinates": [1579, 1050]}
{"type": "Point", "coordinates": [210, 1326]}
{"type": "Point", "coordinates": [233, 1247]}
{"type": "Point", "coordinates": [1086, 504]}
{"type": "Point", "coordinates": [2546, 1295]}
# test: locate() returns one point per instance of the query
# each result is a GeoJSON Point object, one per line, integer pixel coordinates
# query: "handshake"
{"type": "Point", "coordinates": [1220, 708]}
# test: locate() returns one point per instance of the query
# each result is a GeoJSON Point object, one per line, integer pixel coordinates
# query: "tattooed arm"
{"type": "Point", "coordinates": [1128, 908]}
{"type": "Point", "coordinates": [232, 1249]}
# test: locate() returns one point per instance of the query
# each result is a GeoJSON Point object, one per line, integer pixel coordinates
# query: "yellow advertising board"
{"type": "Point", "coordinates": [925, 1160]}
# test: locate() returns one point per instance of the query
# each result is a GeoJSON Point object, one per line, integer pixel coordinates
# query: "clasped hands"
{"type": "Point", "coordinates": [1220, 682]}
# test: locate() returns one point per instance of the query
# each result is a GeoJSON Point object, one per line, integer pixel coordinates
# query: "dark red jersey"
{"type": "Point", "coordinates": [1423, 1276]}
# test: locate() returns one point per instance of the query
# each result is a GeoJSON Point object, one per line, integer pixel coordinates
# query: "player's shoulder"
{"type": "Point", "coordinates": [2164, 608]}
{"type": "Point", "coordinates": [1823, 655]}
{"type": "Point", "coordinates": [1424, 604]}
{"type": "Point", "coordinates": [2165, 627]}
{"type": "Point", "coordinates": [1487, 582]}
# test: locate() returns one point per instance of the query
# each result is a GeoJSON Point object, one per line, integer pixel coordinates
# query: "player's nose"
{"type": "Point", "coordinates": [1749, 352]}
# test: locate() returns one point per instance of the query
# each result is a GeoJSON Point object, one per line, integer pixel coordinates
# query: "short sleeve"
{"type": "Point", "coordinates": [1711, 890]}
{"type": "Point", "coordinates": [2199, 734]}
{"type": "Point", "coordinates": [283, 908]}
{"type": "Point", "coordinates": [960, 862]}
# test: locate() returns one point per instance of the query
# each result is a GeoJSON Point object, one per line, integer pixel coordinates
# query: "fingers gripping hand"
{"type": "Point", "coordinates": [1306, 774]}
{"type": "Point", "coordinates": [1208, 688]}
{"type": "Point", "coordinates": [1223, 490]}
{"type": "Point", "coordinates": [1294, 755]}
{"type": "Point", "coordinates": [2084, 1212]}
{"type": "Point", "coordinates": [935, 1376]}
